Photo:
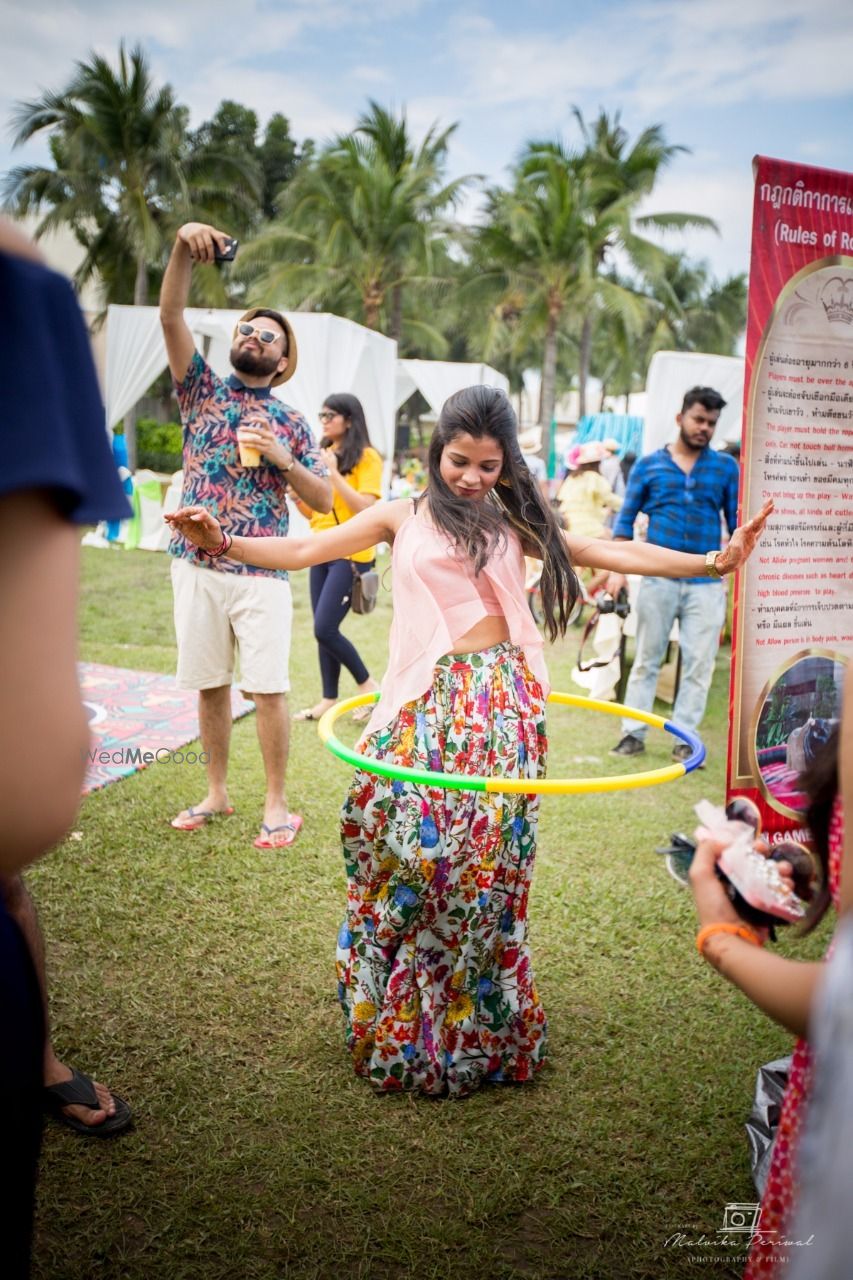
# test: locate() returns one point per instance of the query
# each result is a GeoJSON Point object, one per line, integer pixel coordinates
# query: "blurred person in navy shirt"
{"type": "Point", "coordinates": [57, 472]}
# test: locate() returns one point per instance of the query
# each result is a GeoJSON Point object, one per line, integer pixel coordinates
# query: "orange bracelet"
{"type": "Point", "coordinates": [739, 930]}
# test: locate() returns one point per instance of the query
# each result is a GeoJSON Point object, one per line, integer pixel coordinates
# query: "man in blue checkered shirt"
{"type": "Point", "coordinates": [684, 489]}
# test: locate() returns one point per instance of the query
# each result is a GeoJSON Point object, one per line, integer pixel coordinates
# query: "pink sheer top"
{"type": "Point", "coordinates": [437, 599]}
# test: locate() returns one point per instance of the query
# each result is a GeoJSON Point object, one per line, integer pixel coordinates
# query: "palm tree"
{"type": "Point", "coordinates": [532, 266]}
{"type": "Point", "coordinates": [616, 176]}
{"type": "Point", "coordinates": [543, 255]}
{"type": "Point", "coordinates": [715, 317]}
{"type": "Point", "coordinates": [686, 311]}
{"type": "Point", "coordinates": [525, 270]}
{"type": "Point", "coordinates": [690, 311]}
{"type": "Point", "coordinates": [617, 349]}
{"type": "Point", "coordinates": [122, 177]}
{"type": "Point", "coordinates": [360, 224]}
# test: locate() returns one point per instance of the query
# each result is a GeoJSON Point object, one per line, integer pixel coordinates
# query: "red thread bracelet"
{"type": "Point", "coordinates": [224, 546]}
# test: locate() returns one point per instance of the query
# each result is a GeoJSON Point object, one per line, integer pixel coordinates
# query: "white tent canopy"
{"type": "Point", "coordinates": [671, 373]}
{"type": "Point", "coordinates": [334, 355]}
{"type": "Point", "coordinates": [438, 379]}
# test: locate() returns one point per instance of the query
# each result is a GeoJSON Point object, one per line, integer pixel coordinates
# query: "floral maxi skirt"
{"type": "Point", "coordinates": [433, 961]}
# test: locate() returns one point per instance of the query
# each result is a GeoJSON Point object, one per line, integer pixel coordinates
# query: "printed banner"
{"type": "Point", "coordinates": [793, 622]}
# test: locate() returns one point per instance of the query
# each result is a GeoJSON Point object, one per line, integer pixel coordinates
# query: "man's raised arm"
{"type": "Point", "coordinates": [194, 242]}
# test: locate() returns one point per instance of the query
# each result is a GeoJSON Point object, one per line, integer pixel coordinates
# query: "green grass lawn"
{"type": "Point", "coordinates": [194, 974]}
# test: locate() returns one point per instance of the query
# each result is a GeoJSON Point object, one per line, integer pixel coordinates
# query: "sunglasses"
{"type": "Point", "coordinates": [266, 336]}
{"type": "Point", "coordinates": [326, 415]}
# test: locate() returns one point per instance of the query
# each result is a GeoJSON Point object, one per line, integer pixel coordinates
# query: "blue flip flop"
{"type": "Point", "coordinates": [273, 840]}
{"type": "Point", "coordinates": [198, 818]}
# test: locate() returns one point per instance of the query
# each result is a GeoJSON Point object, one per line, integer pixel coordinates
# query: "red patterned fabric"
{"type": "Point", "coordinates": [433, 962]}
{"type": "Point", "coordinates": [766, 1258]}
{"type": "Point", "coordinates": [248, 501]}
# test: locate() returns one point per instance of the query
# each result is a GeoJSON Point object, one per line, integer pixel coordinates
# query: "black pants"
{"type": "Point", "coordinates": [331, 589]}
{"type": "Point", "coordinates": [21, 1067]}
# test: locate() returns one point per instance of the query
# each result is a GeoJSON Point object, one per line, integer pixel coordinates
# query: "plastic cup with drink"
{"type": "Point", "coordinates": [249, 455]}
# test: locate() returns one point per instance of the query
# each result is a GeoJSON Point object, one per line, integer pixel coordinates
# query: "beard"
{"type": "Point", "coordinates": [254, 362]}
{"type": "Point", "coordinates": [696, 446]}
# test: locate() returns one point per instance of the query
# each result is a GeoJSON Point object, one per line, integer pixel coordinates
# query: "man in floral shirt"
{"type": "Point", "coordinates": [222, 606]}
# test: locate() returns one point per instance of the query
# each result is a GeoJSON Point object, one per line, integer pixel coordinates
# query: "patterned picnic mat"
{"type": "Point", "coordinates": [137, 718]}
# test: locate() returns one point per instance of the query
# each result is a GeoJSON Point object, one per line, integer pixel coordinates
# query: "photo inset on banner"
{"type": "Point", "coordinates": [799, 712]}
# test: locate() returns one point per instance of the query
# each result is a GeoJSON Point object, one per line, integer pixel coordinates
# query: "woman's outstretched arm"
{"type": "Point", "coordinates": [378, 523]}
{"type": "Point", "coordinates": [653, 561]}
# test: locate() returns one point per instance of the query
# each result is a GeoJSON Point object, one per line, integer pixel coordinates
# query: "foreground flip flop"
{"type": "Point", "coordinates": [198, 818]}
{"type": "Point", "coordinates": [79, 1091]}
{"type": "Point", "coordinates": [279, 837]}
{"type": "Point", "coordinates": [362, 713]}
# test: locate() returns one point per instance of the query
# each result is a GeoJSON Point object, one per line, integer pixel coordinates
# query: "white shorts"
{"type": "Point", "coordinates": [219, 613]}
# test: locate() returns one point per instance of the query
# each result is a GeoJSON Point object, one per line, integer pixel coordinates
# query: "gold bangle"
{"type": "Point", "coordinates": [738, 930]}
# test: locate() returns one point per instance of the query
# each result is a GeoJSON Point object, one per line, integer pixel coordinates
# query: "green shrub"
{"type": "Point", "coordinates": [158, 445]}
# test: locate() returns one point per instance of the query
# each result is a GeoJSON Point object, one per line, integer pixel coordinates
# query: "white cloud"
{"type": "Point", "coordinates": [318, 61]}
{"type": "Point", "coordinates": [204, 50]}
{"type": "Point", "coordinates": [816, 149]}
{"type": "Point", "coordinates": [715, 192]}
{"type": "Point", "coordinates": [719, 53]}
{"type": "Point", "coordinates": [436, 109]}
{"type": "Point", "coordinates": [41, 40]}
{"type": "Point", "coordinates": [497, 68]}
{"type": "Point", "coordinates": [370, 74]}
{"type": "Point", "coordinates": [300, 98]}
{"type": "Point", "coordinates": [660, 54]}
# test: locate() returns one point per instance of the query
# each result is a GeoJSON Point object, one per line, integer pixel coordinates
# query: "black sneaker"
{"type": "Point", "coordinates": [682, 752]}
{"type": "Point", "coordinates": [630, 745]}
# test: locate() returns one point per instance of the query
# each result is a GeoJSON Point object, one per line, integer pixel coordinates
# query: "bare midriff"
{"type": "Point", "coordinates": [490, 630]}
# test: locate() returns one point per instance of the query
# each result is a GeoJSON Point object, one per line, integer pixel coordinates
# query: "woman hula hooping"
{"type": "Point", "coordinates": [434, 971]}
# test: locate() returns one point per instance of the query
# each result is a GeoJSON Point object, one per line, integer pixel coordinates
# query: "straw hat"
{"type": "Point", "coordinates": [580, 455]}
{"type": "Point", "coordinates": [530, 440]}
{"type": "Point", "coordinates": [291, 352]}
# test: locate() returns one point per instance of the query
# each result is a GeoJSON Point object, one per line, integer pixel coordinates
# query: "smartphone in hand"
{"type": "Point", "coordinates": [228, 254]}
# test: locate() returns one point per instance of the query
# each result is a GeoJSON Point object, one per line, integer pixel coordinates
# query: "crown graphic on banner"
{"type": "Point", "coordinates": [837, 299]}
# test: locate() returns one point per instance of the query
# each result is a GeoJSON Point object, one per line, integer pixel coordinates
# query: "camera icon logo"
{"type": "Point", "coordinates": [742, 1218]}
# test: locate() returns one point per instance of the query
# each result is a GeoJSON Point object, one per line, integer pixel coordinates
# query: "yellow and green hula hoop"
{"type": "Point", "coordinates": [525, 786]}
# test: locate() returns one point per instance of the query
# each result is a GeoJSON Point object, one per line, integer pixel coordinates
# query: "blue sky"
{"type": "Point", "coordinates": [727, 78]}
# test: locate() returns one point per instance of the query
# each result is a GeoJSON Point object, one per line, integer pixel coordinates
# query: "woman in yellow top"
{"type": "Point", "coordinates": [355, 470]}
{"type": "Point", "coordinates": [585, 498]}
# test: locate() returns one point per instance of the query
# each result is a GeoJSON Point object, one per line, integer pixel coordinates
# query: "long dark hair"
{"type": "Point", "coordinates": [356, 439]}
{"type": "Point", "coordinates": [480, 528]}
{"type": "Point", "coordinates": [820, 783]}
